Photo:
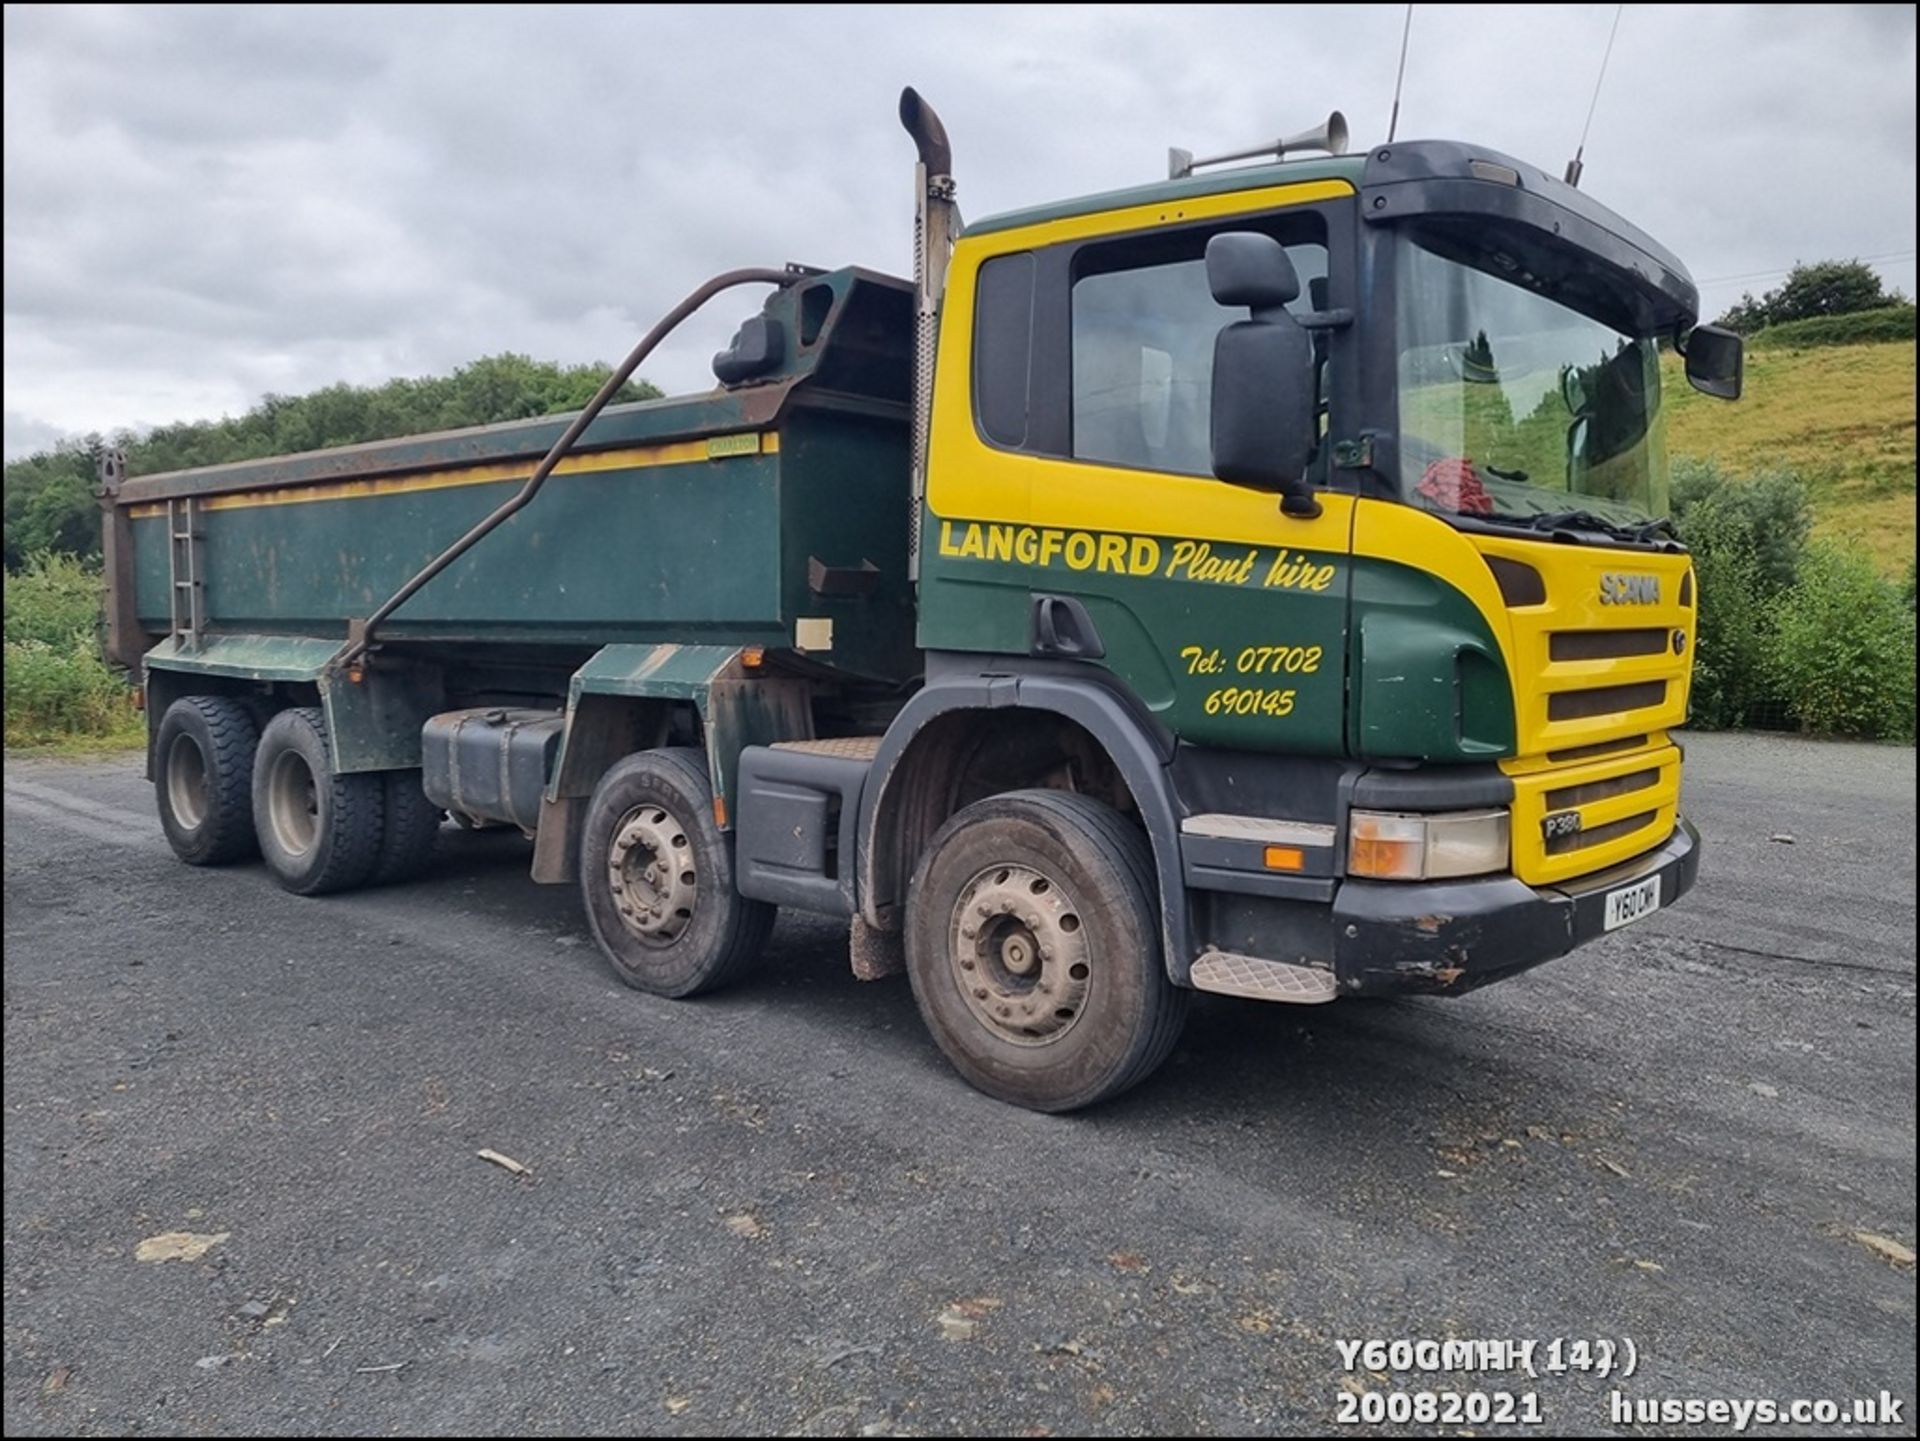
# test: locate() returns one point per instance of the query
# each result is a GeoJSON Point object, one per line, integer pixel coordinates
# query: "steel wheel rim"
{"type": "Point", "coordinates": [651, 872]}
{"type": "Point", "coordinates": [187, 782]}
{"type": "Point", "coordinates": [293, 803]}
{"type": "Point", "coordinates": [1019, 955]}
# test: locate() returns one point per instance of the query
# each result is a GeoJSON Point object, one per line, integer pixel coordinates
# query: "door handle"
{"type": "Point", "coordinates": [1061, 627]}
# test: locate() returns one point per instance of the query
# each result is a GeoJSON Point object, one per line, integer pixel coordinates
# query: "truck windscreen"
{"type": "Point", "coordinates": [1516, 407]}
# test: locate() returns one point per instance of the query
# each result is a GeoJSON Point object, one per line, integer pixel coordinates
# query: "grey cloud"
{"type": "Point", "coordinates": [25, 434]}
{"type": "Point", "coordinates": [205, 203]}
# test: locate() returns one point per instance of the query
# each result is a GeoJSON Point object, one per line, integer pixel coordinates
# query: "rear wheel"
{"type": "Point", "coordinates": [1033, 945]}
{"type": "Point", "coordinates": [319, 831]}
{"type": "Point", "coordinates": [409, 829]}
{"type": "Point", "coordinates": [203, 774]}
{"type": "Point", "coordinates": [656, 875]}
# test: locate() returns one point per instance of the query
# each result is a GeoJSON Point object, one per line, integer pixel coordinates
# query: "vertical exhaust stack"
{"type": "Point", "coordinates": [936, 221]}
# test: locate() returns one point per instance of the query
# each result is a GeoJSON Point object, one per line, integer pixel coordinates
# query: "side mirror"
{"type": "Point", "coordinates": [1264, 419]}
{"type": "Point", "coordinates": [1716, 361]}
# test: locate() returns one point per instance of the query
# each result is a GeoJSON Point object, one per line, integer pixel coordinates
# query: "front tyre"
{"type": "Point", "coordinates": [203, 777]}
{"type": "Point", "coordinates": [1033, 946]}
{"type": "Point", "coordinates": [656, 876]}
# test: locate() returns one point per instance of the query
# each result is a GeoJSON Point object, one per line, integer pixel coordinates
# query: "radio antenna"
{"type": "Point", "coordinates": [1393, 124]}
{"type": "Point", "coordinates": [1575, 165]}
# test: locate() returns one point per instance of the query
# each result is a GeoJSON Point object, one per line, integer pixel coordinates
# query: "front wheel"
{"type": "Point", "coordinates": [1033, 946]}
{"type": "Point", "coordinates": [656, 875]}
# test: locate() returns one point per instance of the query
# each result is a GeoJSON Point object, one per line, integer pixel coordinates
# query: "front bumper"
{"type": "Point", "coordinates": [1447, 937]}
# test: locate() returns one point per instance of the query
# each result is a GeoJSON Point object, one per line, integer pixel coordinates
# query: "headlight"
{"type": "Point", "coordinates": [1386, 846]}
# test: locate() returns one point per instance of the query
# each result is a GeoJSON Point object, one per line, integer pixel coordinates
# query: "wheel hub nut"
{"type": "Point", "coordinates": [1016, 954]}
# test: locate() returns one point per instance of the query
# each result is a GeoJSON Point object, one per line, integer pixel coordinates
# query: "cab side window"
{"type": "Point", "coordinates": [1143, 329]}
{"type": "Point", "coordinates": [1143, 367]}
{"type": "Point", "coordinates": [1102, 350]}
{"type": "Point", "coordinates": [1003, 348]}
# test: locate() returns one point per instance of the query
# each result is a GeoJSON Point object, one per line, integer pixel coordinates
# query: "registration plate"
{"type": "Point", "coordinates": [1630, 903]}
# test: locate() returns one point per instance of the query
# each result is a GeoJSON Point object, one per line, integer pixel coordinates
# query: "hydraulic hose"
{"type": "Point", "coordinates": [358, 646]}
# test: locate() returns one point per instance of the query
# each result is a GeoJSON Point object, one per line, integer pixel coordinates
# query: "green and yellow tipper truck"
{"type": "Point", "coordinates": [1254, 582]}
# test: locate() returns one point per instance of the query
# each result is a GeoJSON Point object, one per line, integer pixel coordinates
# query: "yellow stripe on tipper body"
{"type": "Point", "coordinates": [638, 457]}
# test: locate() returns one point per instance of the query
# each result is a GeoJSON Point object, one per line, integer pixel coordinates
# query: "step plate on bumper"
{"type": "Point", "coordinates": [1230, 974]}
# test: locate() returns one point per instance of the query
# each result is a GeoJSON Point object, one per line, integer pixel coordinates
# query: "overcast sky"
{"type": "Point", "coordinates": [203, 205]}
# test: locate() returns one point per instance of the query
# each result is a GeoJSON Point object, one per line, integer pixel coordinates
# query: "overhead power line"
{"type": "Point", "coordinates": [1788, 269]}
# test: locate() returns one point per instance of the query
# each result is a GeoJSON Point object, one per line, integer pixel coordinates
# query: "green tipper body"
{"type": "Point", "coordinates": [736, 517]}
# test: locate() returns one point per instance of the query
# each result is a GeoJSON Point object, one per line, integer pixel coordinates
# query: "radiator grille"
{"type": "Point", "coordinates": [1590, 791]}
{"type": "Point", "coordinates": [1605, 700]}
{"type": "Point", "coordinates": [1600, 835]}
{"type": "Point", "coordinates": [1597, 749]}
{"type": "Point", "coordinates": [1607, 644]}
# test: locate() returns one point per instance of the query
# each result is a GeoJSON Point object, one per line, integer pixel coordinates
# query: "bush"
{"type": "Point", "coordinates": [1892, 322]}
{"type": "Point", "coordinates": [1844, 656]}
{"type": "Point", "coordinates": [1747, 538]}
{"type": "Point", "coordinates": [1814, 636]}
{"type": "Point", "coordinates": [53, 599]}
{"type": "Point", "coordinates": [58, 693]}
{"type": "Point", "coordinates": [1764, 514]}
{"type": "Point", "coordinates": [1734, 638]}
{"type": "Point", "coordinates": [58, 687]}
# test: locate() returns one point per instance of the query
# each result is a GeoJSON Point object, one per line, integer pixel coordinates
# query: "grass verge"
{"type": "Point", "coordinates": [1841, 417]}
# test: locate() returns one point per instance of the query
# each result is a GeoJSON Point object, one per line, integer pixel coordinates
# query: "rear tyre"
{"type": "Point", "coordinates": [1033, 946]}
{"type": "Point", "coordinates": [410, 829]}
{"type": "Point", "coordinates": [319, 831]}
{"type": "Point", "coordinates": [203, 778]}
{"type": "Point", "coordinates": [656, 875]}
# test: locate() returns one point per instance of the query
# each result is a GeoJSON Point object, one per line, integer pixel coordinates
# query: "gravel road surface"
{"type": "Point", "coordinates": [777, 1210]}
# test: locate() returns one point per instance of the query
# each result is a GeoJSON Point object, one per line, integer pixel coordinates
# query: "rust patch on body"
{"type": "Point", "coordinates": [1441, 975]}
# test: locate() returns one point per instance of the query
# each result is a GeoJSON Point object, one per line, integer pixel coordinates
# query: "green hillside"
{"type": "Point", "coordinates": [1842, 416]}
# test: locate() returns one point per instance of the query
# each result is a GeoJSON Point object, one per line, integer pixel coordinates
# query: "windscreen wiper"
{"type": "Point", "coordinates": [1645, 533]}
{"type": "Point", "coordinates": [1652, 529]}
{"type": "Point", "coordinates": [1577, 520]}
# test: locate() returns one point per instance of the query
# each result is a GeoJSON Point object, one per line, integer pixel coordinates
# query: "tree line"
{"type": "Point", "coordinates": [49, 496]}
{"type": "Point", "coordinates": [1823, 288]}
